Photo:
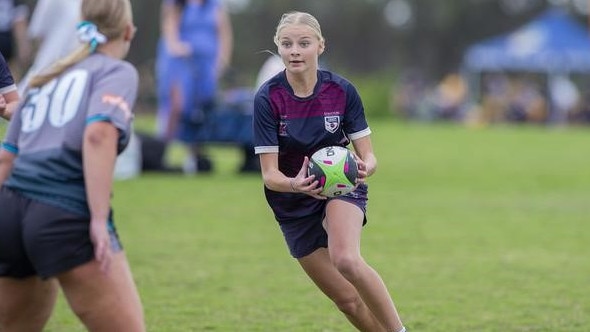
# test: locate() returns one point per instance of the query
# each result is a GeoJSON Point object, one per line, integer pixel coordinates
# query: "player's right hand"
{"type": "Point", "coordinates": [99, 235]}
{"type": "Point", "coordinates": [306, 184]}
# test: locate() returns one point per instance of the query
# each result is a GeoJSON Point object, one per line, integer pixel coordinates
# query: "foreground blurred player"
{"type": "Point", "coordinates": [56, 167]}
{"type": "Point", "coordinates": [8, 93]}
{"type": "Point", "coordinates": [297, 112]}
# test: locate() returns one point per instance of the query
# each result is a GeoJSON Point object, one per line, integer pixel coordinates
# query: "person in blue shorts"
{"type": "Point", "coordinates": [9, 97]}
{"type": "Point", "coordinates": [193, 52]}
{"type": "Point", "coordinates": [56, 172]}
{"type": "Point", "coordinates": [296, 112]}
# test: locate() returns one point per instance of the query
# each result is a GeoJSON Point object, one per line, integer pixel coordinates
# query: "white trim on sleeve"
{"type": "Point", "coordinates": [266, 149]}
{"type": "Point", "coordinates": [360, 134]}
{"type": "Point", "coordinates": [8, 89]}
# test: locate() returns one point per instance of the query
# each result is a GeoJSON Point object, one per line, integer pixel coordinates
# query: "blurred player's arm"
{"type": "Point", "coordinates": [170, 26]}
{"type": "Point", "coordinates": [99, 155]}
{"type": "Point", "coordinates": [6, 160]}
{"type": "Point", "coordinates": [226, 41]}
{"type": "Point", "coordinates": [20, 28]}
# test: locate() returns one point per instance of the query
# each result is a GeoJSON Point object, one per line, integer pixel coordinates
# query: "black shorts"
{"type": "Point", "coordinates": [41, 239]}
{"type": "Point", "coordinates": [306, 235]}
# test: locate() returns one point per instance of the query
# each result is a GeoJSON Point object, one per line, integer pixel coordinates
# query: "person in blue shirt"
{"type": "Point", "coordinates": [193, 52]}
{"type": "Point", "coordinates": [296, 112]}
{"type": "Point", "coordinates": [56, 174]}
{"type": "Point", "coordinates": [9, 96]}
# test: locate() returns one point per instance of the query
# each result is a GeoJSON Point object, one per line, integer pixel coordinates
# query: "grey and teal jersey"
{"type": "Point", "coordinates": [6, 79]}
{"type": "Point", "coordinates": [46, 132]}
{"type": "Point", "coordinates": [296, 127]}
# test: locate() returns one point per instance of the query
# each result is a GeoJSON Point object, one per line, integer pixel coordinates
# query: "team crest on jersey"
{"type": "Point", "coordinates": [331, 123]}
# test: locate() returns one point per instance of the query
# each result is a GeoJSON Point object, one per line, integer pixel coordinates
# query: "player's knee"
{"type": "Point", "coordinates": [82, 311]}
{"type": "Point", "coordinates": [349, 266]}
{"type": "Point", "coordinates": [349, 305]}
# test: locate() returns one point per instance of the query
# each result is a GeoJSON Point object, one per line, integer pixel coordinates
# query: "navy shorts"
{"type": "Point", "coordinates": [307, 234]}
{"type": "Point", "coordinates": [41, 239]}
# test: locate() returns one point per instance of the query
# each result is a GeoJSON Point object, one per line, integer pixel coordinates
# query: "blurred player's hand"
{"type": "Point", "coordinates": [99, 236]}
{"type": "Point", "coordinates": [180, 49]}
{"type": "Point", "coordinates": [2, 106]}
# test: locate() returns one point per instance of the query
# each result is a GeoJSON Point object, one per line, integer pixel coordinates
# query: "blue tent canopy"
{"type": "Point", "coordinates": [553, 42]}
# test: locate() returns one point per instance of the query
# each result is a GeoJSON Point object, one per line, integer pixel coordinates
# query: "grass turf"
{"type": "Point", "coordinates": [472, 230]}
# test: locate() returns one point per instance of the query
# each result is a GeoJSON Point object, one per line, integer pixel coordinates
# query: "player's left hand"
{"type": "Point", "coordinates": [362, 170]}
{"type": "Point", "coordinates": [365, 168]}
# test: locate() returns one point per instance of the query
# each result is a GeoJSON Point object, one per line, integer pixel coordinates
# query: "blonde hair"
{"type": "Point", "coordinates": [110, 17]}
{"type": "Point", "coordinates": [299, 18]}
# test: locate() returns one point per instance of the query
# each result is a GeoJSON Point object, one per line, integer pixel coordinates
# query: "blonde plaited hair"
{"type": "Point", "coordinates": [110, 17]}
{"type": "Point", "coordinates": [299, 18]}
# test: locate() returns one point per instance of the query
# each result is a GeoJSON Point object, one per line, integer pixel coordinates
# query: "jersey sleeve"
{"type": "Point", "coordinates": [355, 122]}
{"type": "Point", "coordinates": [265, 125]}
{"type": "Point", "coordinates": [112, 99]}
{"type": "Point", "coordinates": [6, 80]}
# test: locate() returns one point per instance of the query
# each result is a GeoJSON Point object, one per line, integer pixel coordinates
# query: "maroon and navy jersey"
{"type": "Point", "coordinates": [6, 79]}
{"type": "Point", "coordinates": [296, 127]}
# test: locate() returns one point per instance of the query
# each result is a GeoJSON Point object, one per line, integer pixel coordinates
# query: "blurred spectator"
{"type": "Point", "coordinates": [581, 114]}
{"type": "Point", "coordinates": [408, 98]}
{"type": "Point", "coordinates": [495, 91]}
{"type": "Point", "coordinates": [527, 103]}
{"type": "Point", "coordinates": [53, 37]}
{"type": "Point", "coordinates": [450, 97]}
{"type": "Point", "coordinates": [194, 51]}
{"type": "Point", "coordinates": [270, 68]}
{"type": "Point", "coordinates": [14, 44]}
{"type": "Point", "coordinates": [565, 98]}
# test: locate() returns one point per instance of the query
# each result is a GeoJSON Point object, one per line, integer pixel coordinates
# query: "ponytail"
{"type": "Point", "coordinates": [60, 66]}
{"type": "Point", "coordinates": [89, 35]}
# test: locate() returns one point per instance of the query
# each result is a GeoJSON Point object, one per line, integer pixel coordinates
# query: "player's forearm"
{"type": "Point", "coordinates": [99, 155]}
{"type": "Point", "coordinates": [170, 23]}
{"type": "Point", "coordinates": [277, 181]}
{"type": "Point", "coordinates": [226, 41]}
{"type": "Point", "coordinates": [6, 161]}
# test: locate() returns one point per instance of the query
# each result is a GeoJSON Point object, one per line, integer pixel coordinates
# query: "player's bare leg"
{"type": "Point", "coordinates": [104, 301]}
{"type": "Point", "coordinates": [26, 304]}
{"type": "Point", "coordinates": [318, 267]}
{"type": "Point", "coordinates": [344, 225]}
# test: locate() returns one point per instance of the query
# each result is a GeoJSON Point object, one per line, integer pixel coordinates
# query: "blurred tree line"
{"type": "Point", "coordinates": [359, 37]}
{"type": "Point", "coordinates": [362, 36]}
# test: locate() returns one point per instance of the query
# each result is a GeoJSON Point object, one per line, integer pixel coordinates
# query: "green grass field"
{"type": "Point", "coordinates": [472, 230]}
